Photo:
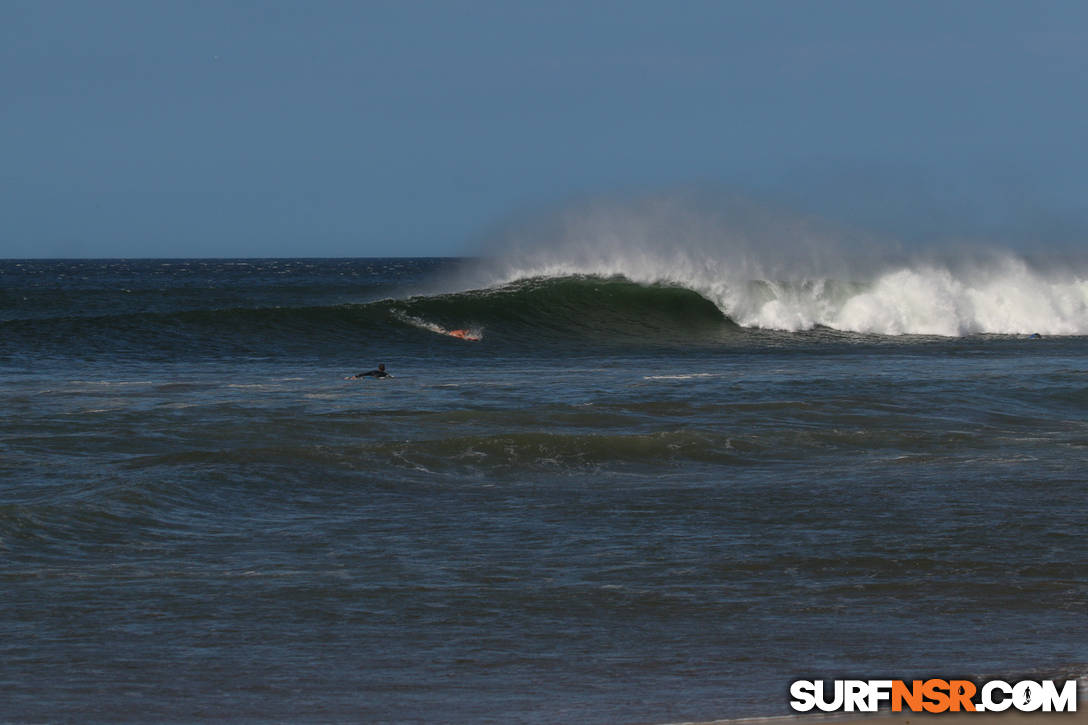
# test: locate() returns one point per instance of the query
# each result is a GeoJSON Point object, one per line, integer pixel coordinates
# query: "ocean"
{"type": "Point", "coordinates": [638, 497]}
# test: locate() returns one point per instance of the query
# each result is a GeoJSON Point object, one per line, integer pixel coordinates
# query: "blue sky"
{"type": "Point", "coordinates": [404, 128]}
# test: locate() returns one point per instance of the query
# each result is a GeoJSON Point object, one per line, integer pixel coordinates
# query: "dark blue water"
{"type": "Point", "coordinates": [617, 506]}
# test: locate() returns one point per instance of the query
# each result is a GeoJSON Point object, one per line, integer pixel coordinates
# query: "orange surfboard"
{"type": "Point", "coordinates": [463, 334]}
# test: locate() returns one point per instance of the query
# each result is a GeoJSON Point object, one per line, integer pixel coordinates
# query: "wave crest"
{"type": "Point", "coordinates": [766, 269]}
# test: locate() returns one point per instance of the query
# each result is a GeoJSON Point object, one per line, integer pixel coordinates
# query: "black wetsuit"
{"type": "Point", "coordinates": [374, 374]}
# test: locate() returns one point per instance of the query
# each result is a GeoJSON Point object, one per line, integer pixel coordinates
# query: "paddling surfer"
{"type": "Point", "coordinates": [379, 373]}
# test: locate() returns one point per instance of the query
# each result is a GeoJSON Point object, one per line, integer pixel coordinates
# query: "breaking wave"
{"type": "Point", "coordinates": [765, 269]}
{"type": "Point", "coordinates": [639, 308]}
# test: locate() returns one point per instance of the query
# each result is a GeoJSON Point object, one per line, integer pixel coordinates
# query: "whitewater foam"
{"type": "Point", "coordinates": [1010, 299]}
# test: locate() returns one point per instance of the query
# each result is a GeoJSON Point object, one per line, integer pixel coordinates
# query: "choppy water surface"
{"type": "Point", "coordinates": [620, 505]}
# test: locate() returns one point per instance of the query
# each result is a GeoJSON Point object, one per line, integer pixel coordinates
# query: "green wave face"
{"type": "Point", "coordinates": [581, 309]}
{"type": "Point", "coordinates": [585, 307]}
